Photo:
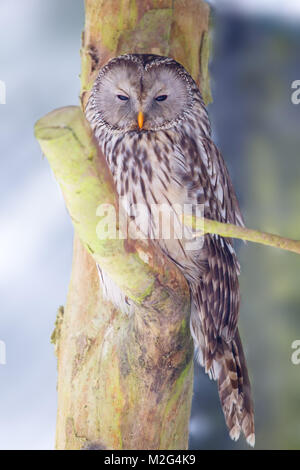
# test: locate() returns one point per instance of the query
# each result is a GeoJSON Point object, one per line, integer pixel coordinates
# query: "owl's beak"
{"type": "Point", "coordinates": [140, 119]}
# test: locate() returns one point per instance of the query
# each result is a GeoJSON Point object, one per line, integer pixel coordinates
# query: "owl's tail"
{"type": "Point", "coordinates": [228, 367]}
{"type": "Point", "coordinates": [230, 370]}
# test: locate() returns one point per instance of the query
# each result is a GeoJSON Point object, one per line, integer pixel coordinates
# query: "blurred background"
{"type": "Point", "coordinates": [255, 59]}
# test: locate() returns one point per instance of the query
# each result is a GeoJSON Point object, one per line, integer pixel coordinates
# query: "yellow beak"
{"type": "Point", "coordinates": [140, 119]}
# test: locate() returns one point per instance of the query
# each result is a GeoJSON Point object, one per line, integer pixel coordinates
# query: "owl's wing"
{"type": "Point", "coordinates": [219, 290]}
{"type": "Point", "coordinates": [223, 193]}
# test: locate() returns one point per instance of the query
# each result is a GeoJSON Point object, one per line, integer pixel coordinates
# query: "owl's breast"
{"type": "Point", "coordinates": [150, 173]}
{"type": "Point", "coordinates": [148, 168]}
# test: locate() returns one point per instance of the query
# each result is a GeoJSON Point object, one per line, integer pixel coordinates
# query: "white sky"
{"type": "Point", "coordinates": [285, 9]}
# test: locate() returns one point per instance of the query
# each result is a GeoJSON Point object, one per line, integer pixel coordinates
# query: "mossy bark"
{"type": "Point", "coordinates": [124, 382]}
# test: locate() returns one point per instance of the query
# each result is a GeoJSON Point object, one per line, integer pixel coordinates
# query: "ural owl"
{"type": "Point", "coordinates": [151, 123]}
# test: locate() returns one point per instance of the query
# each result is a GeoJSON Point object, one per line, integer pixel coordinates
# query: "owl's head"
{"type": "Point", "coordinates": [141, 92]}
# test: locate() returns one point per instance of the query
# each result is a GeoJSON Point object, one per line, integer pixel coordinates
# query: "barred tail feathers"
{"type": "Point", "coordinates": [228, 367]}
{"type": "Point", "coordinates": [230, 370]}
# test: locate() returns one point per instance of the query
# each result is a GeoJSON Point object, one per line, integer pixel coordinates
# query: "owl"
{"type": "Point", "coordinates": [150, 121]}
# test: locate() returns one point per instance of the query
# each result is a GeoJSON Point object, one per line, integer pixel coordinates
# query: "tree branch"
{"type": "Point", "coordinates": [66, 140]}
{"type": "Point", "coordinates": [79, 167]}
{"type": "Point", "coordinates": [204, 225]}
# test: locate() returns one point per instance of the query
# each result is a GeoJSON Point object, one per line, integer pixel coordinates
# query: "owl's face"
{"type": "Point", "coordinates": [142, 92]}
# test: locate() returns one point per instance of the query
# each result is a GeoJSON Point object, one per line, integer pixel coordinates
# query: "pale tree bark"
{"type": "Point", "coordinates": [124, 382]}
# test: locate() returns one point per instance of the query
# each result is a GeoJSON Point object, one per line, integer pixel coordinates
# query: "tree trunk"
{"type": "Point", "coordinates": [124, 382]}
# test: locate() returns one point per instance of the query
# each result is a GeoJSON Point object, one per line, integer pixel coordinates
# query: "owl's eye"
{"type": "Point", "coordinates": [123, 97]}
{"type": "Point", "coordinates": [161, 98]}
